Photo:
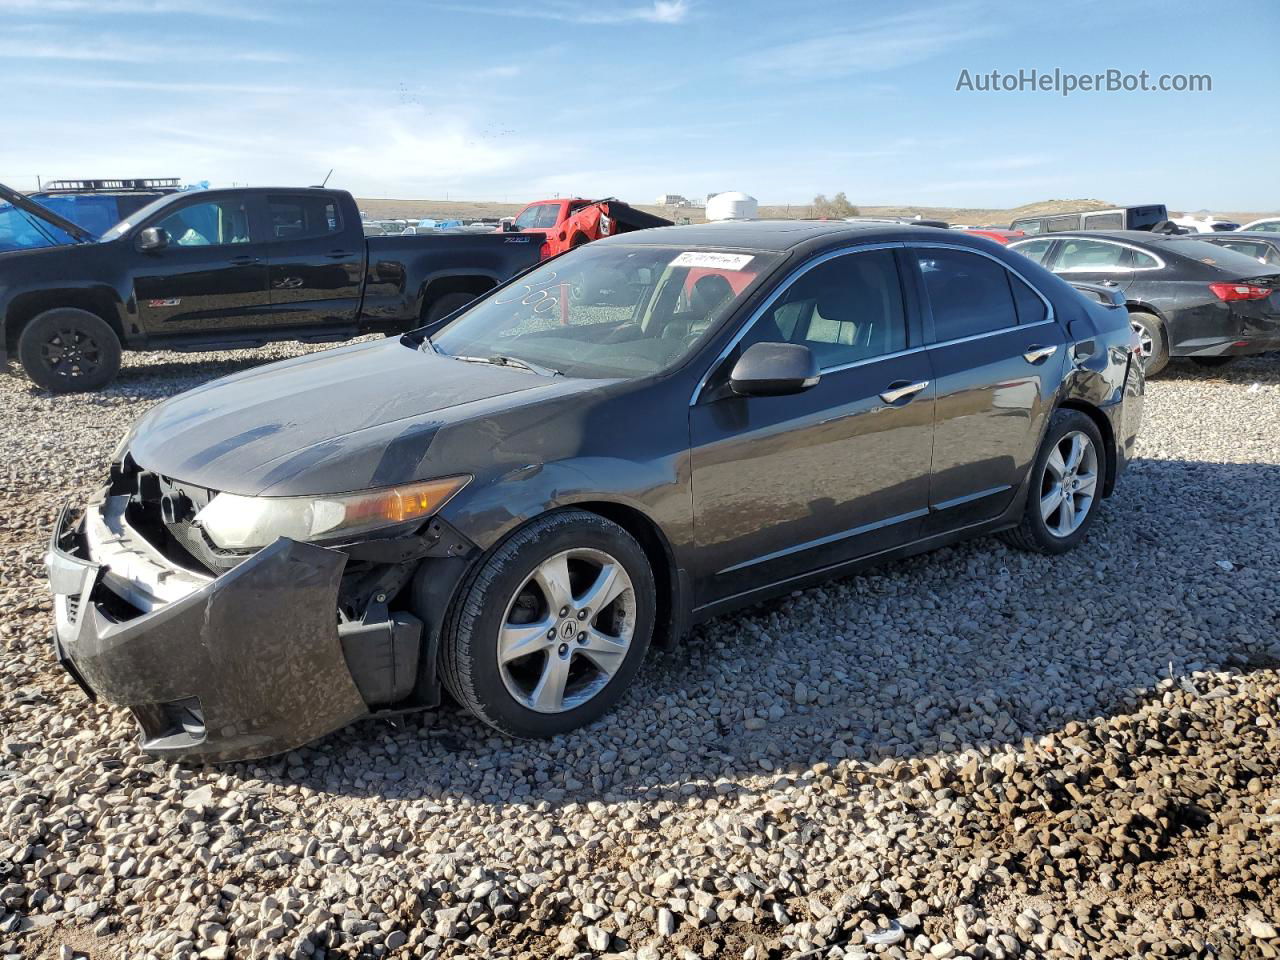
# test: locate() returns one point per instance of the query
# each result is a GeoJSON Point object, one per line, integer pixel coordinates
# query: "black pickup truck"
{"type": "Point", "coordinates": [216, 269]}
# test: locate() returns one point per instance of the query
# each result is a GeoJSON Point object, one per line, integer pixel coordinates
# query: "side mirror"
{"type": "Point", "coordinates": [152, 239]}
{"type": "Point", "coordinates": [774, 370]}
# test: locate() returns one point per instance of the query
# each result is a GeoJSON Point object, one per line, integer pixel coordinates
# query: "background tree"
{"type": "Point", "coordinates": [836, 208]}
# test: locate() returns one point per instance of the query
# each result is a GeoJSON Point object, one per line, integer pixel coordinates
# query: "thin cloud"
{"type": "Point", "coordinates": [570, 11]}
{"type": "Point", "coordinates": [113, 50]}
{"type": "Point", "coordinates": [192, 8]}
{"type": "Point", "coordinates": [880, 44]}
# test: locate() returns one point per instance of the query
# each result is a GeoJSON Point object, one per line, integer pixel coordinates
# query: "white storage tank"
{"type": "Point", "coordinates": [732, 206]}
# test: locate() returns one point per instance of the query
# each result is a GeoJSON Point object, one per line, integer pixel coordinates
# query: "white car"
{"type": "Point", "coordinates": [1265, 225]}
{"type": "Point", "coordinates": [1205, 224]}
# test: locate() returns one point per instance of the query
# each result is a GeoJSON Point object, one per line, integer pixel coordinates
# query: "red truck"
{"type": "Point", "coordinates": [573, 221]}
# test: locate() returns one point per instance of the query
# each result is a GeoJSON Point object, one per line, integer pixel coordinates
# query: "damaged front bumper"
{"type": "Point", "coordinates": [247, 664]}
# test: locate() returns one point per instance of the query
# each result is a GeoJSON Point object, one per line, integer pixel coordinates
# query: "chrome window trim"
{"type": "Point", "coordinates": [782, 288]}
{"type": "Point", "coordinates": [989, 333]}
{"type": "Point", "coordinates": [1160, 263]}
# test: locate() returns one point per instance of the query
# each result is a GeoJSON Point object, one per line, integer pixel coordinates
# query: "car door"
{"type": "Point", "coordinates": [315, 261]}
{"type": "Point", "coordinates": [996, 356]}
{"type": "Point", "coordinates": [211, 276]}
{"type": "Point", "coordinates": [785, 485]}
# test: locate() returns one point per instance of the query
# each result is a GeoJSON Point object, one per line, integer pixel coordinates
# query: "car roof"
{"type": "Point", "coordinates": [783, 235]}
{"type": "Point", "coordinates": [1123, 236]}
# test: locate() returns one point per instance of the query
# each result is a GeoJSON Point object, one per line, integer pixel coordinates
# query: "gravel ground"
{"type": "Point", "coordinates": [975, 753]}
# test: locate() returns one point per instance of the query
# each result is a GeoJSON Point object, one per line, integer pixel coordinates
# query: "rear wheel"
{"type": "Point", "coordinates": [1212, 362]}
{"type": "Point", "coordinates": [1152, 345]}
{"type": "Point", "coordinates": [550, 630]}
{"type": "Point", "coordinates": [68, 350]}
{"type": "Point", "coordinates": [447, 305]}
{"type": "Point", "coordinates": [1065, 488]}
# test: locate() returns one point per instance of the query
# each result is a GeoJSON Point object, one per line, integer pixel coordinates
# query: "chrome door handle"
{"type": "Point", "coordinates": [901, 389]}
{"type": "Point", "coordinates": [1036, 354]}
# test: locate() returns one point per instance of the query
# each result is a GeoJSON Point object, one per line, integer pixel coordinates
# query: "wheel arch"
{"type": "Point", "coordinates": [474, 284]}
{"type": "Point", "coordinates": [26, 307]}
{"type": "Point", "coordinates": [1108, 438]}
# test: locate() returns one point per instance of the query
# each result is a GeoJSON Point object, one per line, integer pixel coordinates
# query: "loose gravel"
{"type": "Point", "coordinates": [977, 753]}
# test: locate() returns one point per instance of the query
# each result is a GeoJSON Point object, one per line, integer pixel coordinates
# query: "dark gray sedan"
{"type": "Point", "coordinates": [514, 504]}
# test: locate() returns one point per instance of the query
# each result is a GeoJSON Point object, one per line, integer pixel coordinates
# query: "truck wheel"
{"type": "Point", "coordinates": [66, 350]}
{"type": "Point", "coordinates": [548, 633]}
{"type": "Point", "coordinates": [447, 305]}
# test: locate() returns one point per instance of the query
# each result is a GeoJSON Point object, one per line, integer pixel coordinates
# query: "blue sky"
{"type": "Point", "coordinates": [516, 99]}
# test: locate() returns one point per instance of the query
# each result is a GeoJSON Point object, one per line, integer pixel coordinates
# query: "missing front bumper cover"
{"type": "Point", "coordinates": [259, 646]}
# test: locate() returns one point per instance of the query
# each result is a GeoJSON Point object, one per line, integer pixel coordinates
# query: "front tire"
{"type": "Point", "coordinates": [1153, 344]}
{"type": "Point", "coordinates": [1065, 487]}
{"type": "Point", "coordinates": [66, 350]}
{"type": "Point", "coordinates": [550, 630]}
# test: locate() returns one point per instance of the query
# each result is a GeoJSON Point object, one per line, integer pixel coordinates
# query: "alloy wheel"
{"type": "Point", "coordinates": [1146, 342]}
{"type": "Point", "coordinates": [567, 630]}
{"type": "Point", "coordinates": [71, 354]}
{"type": "Point", "coordinates": [1069, 484]}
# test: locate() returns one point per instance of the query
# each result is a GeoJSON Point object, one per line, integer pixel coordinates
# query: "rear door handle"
{"type": "Point", "coordinates": [244, 261]}
{"type": "Point", "coordinates": [902, 388]}
{"type": "Point", "coordinates": [340, 254]}
{"type": "Point", "coordinates": [1035, 354]}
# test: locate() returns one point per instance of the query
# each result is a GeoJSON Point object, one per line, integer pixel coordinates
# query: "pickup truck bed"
{"type": "Point", "coordinates": [214, 269]}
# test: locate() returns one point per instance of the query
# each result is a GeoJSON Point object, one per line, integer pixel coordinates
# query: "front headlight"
{"type": "Point", "coordinates": [234, 522]}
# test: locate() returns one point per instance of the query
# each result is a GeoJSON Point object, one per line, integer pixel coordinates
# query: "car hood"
{"type": "Point", "coordinates": [346, 419]}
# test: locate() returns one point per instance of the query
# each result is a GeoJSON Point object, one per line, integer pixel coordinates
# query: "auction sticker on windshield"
{"type": "Point", "coordinates": [717, 261]}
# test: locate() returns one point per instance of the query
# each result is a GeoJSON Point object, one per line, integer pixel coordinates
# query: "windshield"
{"type": "Point", "coordinates": [121, 228]}
{"type": "Point", "coordinates": [607, 310]}
{"type": "Point", "coordinates": [538, 216]}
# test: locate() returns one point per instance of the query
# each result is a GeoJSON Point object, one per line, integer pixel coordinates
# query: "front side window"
{"type": "Point", "coordinates": [1033, 249]}
{"type": "Point", "coordinates": [969, 294]}
{"type": "Point", "coordinates": [1029, 227]}
{"type": "Point", "coordinates": [1084, 256]}
{"type": "Point", "coordinates": [303, 218]}
{"type": "Point", "coordinates": [208, 224]}
{"type": "Point", "coordinates": [1267, 226]}
{"type": "Point", "coordinates": [539, 217]}
{"type": "Point", "coordinates": [845, 310]}
{"type": "Point", "coordinates": [607, 310]}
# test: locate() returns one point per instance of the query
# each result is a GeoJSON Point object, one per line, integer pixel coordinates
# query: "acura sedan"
{"type": "Point", "coordinates": [514, 504]}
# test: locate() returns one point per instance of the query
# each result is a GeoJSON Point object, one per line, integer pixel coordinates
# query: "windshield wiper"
{"type": "Point", "coordinates": [501, 361]}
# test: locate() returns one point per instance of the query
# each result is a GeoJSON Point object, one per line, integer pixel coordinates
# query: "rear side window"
{"type": "Point", "coordinates": [968, 294]}
{"type": "Point", "coordinates": [1033, 250]}
{"type": "Point", "coordinates": [1144, 261]}
{"type": "Point", "coordinates": [1059, 224]}
{"type": "Point", "coordinates": [303, 218]}
{"type": "Point", "coordinates": [1104, 221]}
{"type": "Point", "coordinates": [1031, 308]}
{"type": "Point", "coordinates": [1092, 255]}
{"type": "Point", "coordinates": [1253, 248]}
